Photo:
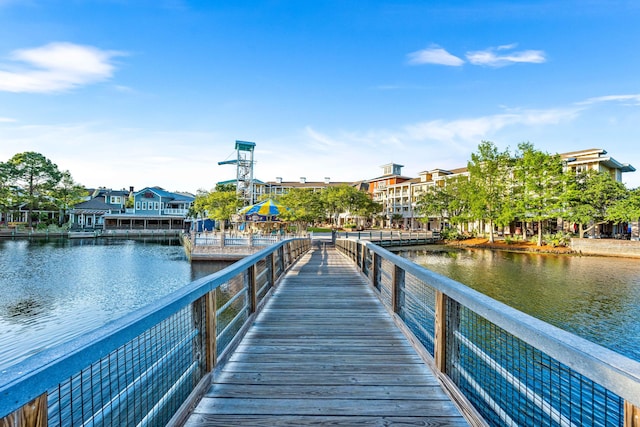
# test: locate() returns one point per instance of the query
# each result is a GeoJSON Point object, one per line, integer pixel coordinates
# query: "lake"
{"type": "Point", "coordinates": [597, 298]}
{"type": "Point", "coordinates": [52, 291]}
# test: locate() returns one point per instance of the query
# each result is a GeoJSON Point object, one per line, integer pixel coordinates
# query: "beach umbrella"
{"type": "Point", "coordinates": [267, 208]}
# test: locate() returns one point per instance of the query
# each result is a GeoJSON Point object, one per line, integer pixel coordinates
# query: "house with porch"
{"type": "Point", "coordinates": [153, 209]}
{"type": "Point", "coordinates": [89, 214]}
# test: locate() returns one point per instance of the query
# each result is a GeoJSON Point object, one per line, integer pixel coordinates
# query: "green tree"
{"type": "Point", "coordinates": [66, 194]}
{"type": "Point", "coordinates": [305, 207]}
{"type": "Point", "coordinates": [488, 178]}
{"type": "Point", "coordinates": [36, 176]}
{"type": "Point", "coordinates": [626, 209]}
{"type": "Point", "coordinates": [217, 205]}
{"type": "Point", "coordinates": [447, 201]}
{"type": "Point", "coordinates": [5, 189]}
{"type": "Point", "coordinates": [433, 203]}
{"type": "Point", "coordinates": [588, 196]}
{"type": "Point", "coordinates": [225, 187]}
{"type": "Point", "coordinates": [538, 182]}
{"type": "Point", "coordinates": [345, 198]}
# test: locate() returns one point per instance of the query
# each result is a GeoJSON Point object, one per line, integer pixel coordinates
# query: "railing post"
{"type": "Point", "coordinates": [440, 332]}
{"type": "Point", "coordinates": [631, 415]}
{"type": "Point", "coordinates": [375, 266]}
{"type": "Point", "coordinates": [251, 288]}
{"type": "Point", "coordinates": [397, 288]}
{"type": "Point", "coordinates": [447, 321]}
{"type": "Point", "coordinates": [33, 414]}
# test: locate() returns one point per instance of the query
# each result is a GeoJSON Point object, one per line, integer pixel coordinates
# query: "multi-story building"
{"type": "Point", "coordinates": [399, 194]}
{"type": "Point", "coordinates": [279, 187]}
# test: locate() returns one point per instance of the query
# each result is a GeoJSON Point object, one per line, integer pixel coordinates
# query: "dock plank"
{"type": "Point", "coordinates": [325, 351]}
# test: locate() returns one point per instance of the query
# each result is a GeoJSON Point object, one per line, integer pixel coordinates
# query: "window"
{"type": "Point", "coordinates": [137, 206]}
{"type": "Point", "coordinates": [156, 205]}
{"type": "Point", "coordinates": [144, 206]}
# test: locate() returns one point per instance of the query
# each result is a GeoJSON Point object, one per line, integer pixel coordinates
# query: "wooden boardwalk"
{"type": "Point", "coordinates": [325, 351]}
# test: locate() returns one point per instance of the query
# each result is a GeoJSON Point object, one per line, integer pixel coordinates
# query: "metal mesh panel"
{"type": "Point", "coordinates": [232, 298]}
{"type": "Point", "coordinates": [513, 383]}
{"type": "Point", "coordinates": [141, 383]}
{"type": "Point", "coordinates": [366, 268]}
{"type": "Point", "coordinates": [418, 310]}
{"type": "Point", "coordinates": [386, 277]}
{"type": "Point", "coordinates": [262, 280]}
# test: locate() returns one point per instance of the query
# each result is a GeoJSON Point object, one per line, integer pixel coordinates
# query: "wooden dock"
{"type": "Point", "coordinates": [325, 351]}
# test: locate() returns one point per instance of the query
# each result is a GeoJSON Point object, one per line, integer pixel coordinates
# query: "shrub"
{"type": "Point", "coordinates": [557, 239]}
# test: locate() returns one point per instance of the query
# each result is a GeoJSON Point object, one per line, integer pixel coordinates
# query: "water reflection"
{"type": "Point", "coordinates": [54, 290]}
{"type": "Point", "coordinates": [597, 298]}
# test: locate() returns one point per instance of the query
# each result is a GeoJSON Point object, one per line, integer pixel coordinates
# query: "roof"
{"type": "Point", "coordinates": [167, 194]}
{"type": "Point", "coordinates": [96, 204]}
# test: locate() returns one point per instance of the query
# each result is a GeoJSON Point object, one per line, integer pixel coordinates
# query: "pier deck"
{"type": "Point", "coordinates": [324, 350]}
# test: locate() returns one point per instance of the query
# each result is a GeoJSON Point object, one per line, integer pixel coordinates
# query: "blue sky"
{"type": "Point", "coordinates": [151, 92]}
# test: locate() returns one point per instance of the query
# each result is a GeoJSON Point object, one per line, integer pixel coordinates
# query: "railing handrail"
{"type": "Point", "coordinates": [606, 367]}
{"type": "Point", "coordinates": [24, 381]}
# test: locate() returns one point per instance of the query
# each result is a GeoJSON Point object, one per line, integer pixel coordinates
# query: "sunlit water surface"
{"type": "Point", "coordinates": [597, 298]}
{"type": "Point", "coordinates": [52, 291]}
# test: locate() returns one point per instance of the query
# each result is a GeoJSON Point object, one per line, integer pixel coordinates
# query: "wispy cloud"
{"type": "Point", "coordinates": [632, 99]}
{"type": "Point", "coordinates": [434, 55]}
{"type": "Point", "coordinates": [56, 67]}
{"type": "Point", "coordinates": [493, 57]}
{"type": "Point", "coordinates": [7, 120]}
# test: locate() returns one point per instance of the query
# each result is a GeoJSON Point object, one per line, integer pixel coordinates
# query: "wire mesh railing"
{"type": "Point", "coordinates": [139, 370]}
{"type": "Point", "coordinates": [513, 369]}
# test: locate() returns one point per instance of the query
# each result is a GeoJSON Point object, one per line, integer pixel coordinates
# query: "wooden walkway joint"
{"type": "Point", "coordinates": [325, 351]}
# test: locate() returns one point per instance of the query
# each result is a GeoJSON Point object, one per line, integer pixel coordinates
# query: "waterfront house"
{"type": "Point", "coordinates": [153, 208]}
{"type": "Point", "coordinates": [89, 214]}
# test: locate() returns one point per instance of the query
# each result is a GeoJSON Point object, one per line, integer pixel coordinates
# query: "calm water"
{"type": "Point", "coordinates": [51, 291]}
{"type": "Point", "coordinates": [597, 298]}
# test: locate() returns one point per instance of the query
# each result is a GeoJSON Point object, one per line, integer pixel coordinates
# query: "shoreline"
{"type": "Point", "coordinates": [501, 245]}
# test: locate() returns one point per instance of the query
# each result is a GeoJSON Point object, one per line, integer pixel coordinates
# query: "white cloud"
{"type": "Point", "coordinates": [7, 120]}
{"type": "Point", "coordinates": [434, 55]}
{"type": "Point", "coordinates": [490, 58]}
{"type": "Point", "coordinates": [56, 67]}
{"type": "Point", "coordinates": [632, 99]}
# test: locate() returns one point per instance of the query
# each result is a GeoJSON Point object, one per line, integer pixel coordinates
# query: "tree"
{"type": "Point", "coordinates": [488, 177]}
{"type": "Point", "coordinates": [218, 205]}
{"type": "Point", "coordinates": [626, 209]}
{"type": "Point", "coordinates": [36, 176]}
{"type": "Point", "coordinates": [538, 182]}
{"type": "Point", "coordinates": [305, 206]}
{"type": "Point", "coordinates": [588, 196]}
{"type": "Point", "coordinates": [66, 194]}
{"type": "Point", "coordinates": [345, 198]}
{"type": "Point", "coordinates": [5, 189]}
{"type": "Point", "coordinates": [447, 202]}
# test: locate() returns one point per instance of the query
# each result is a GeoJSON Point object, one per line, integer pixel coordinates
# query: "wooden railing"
{"type": "Point", "coordinates": [514, 369]}
{"type": "Point", "coordinates": [145, 368]}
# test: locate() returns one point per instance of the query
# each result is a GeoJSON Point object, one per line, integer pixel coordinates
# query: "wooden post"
{"type": "Point", "coordinates": [33, 414]}
{"type": "Point", "coordinates": [440, 331]}
{"type": "Point", "coordinates": [397, 286]}
{"type": "Point", "coordinates": [211, 342]}
{"type": "Point", "coordinates": [631, 415]}
{"type": "Point", "coordinates": [251, 285]}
